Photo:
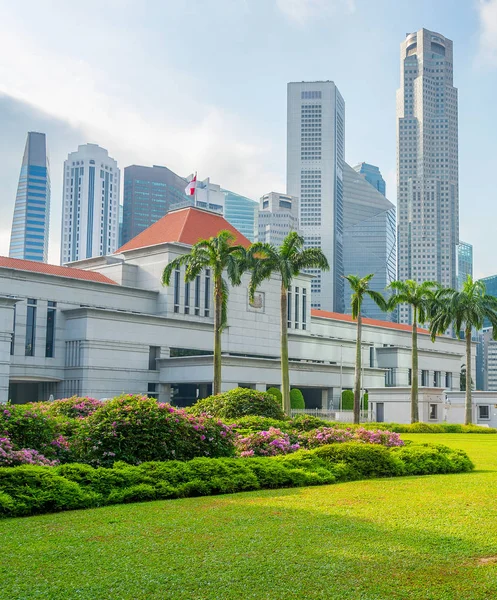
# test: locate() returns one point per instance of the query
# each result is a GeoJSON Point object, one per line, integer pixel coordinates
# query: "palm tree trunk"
{"type": "Point", "coordinates": [468, 419]}
{"type": "Point", "coordinates": [285, 376]}
{"type": "Point", "coordinates": [218, 306]}
{"type": "Point", "coordinates": [357, 376]}
{"type": "Point", "coordinates": [414, 370]}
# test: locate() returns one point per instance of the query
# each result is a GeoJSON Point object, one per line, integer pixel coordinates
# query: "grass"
{"type": "Point", "coordinates": [416, 537]}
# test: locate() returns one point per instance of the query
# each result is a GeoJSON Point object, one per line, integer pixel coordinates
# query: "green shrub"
{"type": "Point", "coordinates": [136, 429]}
{"type": "Point", "coordinates": [366, 400]}
{"type": "Point", "coordinates": [297, 398]}
{"type": "Point", "coordinates": [307, 422]}
{"type": "Point", "coordinates": [239, 403]}
{"type": "Point", "coordinates": [276, 393]}
{"type": "Point", "coordinates": [29, 490]}
{"type": "Point", "coordinates": [347, 400]}
{"type": "Point", "coordinates": [252, 423]}
{"type": "Point", "coordinates": [29, 426]}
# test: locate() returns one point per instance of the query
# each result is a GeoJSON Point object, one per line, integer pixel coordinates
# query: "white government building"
{"type": "Point", "coordinates": [106, 325]}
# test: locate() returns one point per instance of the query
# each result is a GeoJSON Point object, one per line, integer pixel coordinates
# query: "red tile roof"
{"type": "Point", "coordinates": [366, 321]}
{"type": "Point", "coordinates": [186, 226]}
{"type": "Point", "coordinates": [39, 267]}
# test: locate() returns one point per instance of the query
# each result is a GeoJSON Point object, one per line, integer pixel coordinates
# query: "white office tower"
{"type": "Point", "coordinates": [278, 215]}
{"type": "Point", "coordinates": [427, 162]}
{"type": "Point", "coordinates": [90, 206]}
{"type": "Point", "coordinates": [315, 158]}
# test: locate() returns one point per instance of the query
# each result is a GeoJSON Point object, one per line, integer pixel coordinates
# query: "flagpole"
{"type": "Point", "coordinates": [195, 192]}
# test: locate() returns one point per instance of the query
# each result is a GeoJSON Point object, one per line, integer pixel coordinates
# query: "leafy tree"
{"type": "Point", "coordinates": [287, 261]}
{"type": "Point", "coordinates": [464, 310]}
{"type": "Point", "coordinates": [420, 297]}
{"type": "Point", "coordinates": [360, 289]}
{"type": "Point", "coordinates": [224, 258]}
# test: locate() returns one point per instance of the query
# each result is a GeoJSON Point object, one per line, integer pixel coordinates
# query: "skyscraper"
{"type": "Point", "coordinates": [31, 222]}
{"type": "Point", "coordinates": [427, 162]}
{"type": "Point", "coordinates": [368, 238]}
{"type": "Point", "coordinates": [373, 175]}
{"type": "Point", "coordinates": [315, 159]}
{"type": "Point", "coordinates": [278, 215]}
{"type": "Point", "coordinates": [242, 213]}
{"type": "Point", "coordinates": [464, 263]}
{"type": "Point", "coordinates": [149, 193]}
{"type": "Point", "coordinates": [90, 205]}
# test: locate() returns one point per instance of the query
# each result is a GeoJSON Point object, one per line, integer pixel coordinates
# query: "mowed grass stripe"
{"type": "Point", "coordinates": [413, 537]}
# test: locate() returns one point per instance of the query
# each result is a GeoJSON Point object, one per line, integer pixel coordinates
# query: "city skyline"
{"type": "Point", "coordinates": [229, 135]}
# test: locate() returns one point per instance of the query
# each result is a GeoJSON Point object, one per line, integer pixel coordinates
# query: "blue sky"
{"type": "Point", "coordinates": [201, 85]}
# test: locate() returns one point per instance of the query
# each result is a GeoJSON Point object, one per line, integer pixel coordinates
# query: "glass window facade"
{"type": "Point", "coordinates": [242, 213]}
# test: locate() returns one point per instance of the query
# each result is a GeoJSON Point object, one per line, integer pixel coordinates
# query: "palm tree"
{"type": "Point", "coordinates": [420, 298]}
{"type": "Point", "coordinates": [288, 261]}
{"type": "Point", "coordinates": [360, 289]}
{"type": "Point", "coordinates": [219, 254]}
{"type": "Point", "coordinates": [464, 310]}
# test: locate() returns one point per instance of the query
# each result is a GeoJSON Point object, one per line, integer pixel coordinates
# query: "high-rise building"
{"type": "Point", "coordinates": [90, 205]}
{"type": "Point", "coordinates": [490, 289]}
{"type": "Point", "coordinates": [369, 229]}
{"type": "Point", "coordinates": [242, 213]}
{"type": "Point", "coordinates": [427, 162]}
{"type": "Point", "coordinates": [278, 215]}
{"type": "Point", "coordinates": [464, 263]}
{"type": "Point", "coordinates": [373, 175]}
{"type": "Point", "coordinates": [315, 159]}
{"type": "Point", "coordinates": [149, 193]}
{"type": "Point", "coordinates": [31, 222]}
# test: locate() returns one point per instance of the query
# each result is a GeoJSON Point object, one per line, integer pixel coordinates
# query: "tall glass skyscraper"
{"type": "Point", "coordinates": [31, 223]}
{"type": "Point", "coordinates": [315, 162]}
{"type": "Point", "coordinates": [242, 213]}
{"type": "Point", "coordinates": [149, 193]}
{"type": "Point", "coordinates": [373, 175]}
{"type": "Point", "coordinates": [369, 234]}
{"type": "Point", "coordinates": [464, 263]}
{"type": "Point", "coordinates": [427, 162]}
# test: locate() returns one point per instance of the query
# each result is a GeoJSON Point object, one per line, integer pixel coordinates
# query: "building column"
{"type": "Point", "coordinates": [6, 323]}
{"type": "Point", "coordinates": [164, 392]}
{"type": "Point", "coordinates": [260, 387]}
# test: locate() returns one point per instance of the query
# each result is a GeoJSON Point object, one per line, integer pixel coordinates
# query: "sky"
{"type": "Point", "coordinates": [200, 85]}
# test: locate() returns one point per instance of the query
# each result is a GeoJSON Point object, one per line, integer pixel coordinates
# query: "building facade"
{"type": "Point", "coordinates": [149, 193]}
{"type": "Point", "coordinates": [106, 325]}
{"type": "Point", "coordinates": [90, 204]}
{"type": "Point", "coordinates": [369, 228]}
{"type": "Point", "coordinates": [31, 221]}
{"type": "Point", "coordinates": [427, 162]}
{"type": "Point", "coordinates": [372, 175]}
{"type": "Point", "coordinates": [464, 263]}
{"type": "Point", "coordinates": [242, 213]}
{"type": "Point", "coordinates": [315, 162]}
{"type": "Point", "coordinates": [278, 215]}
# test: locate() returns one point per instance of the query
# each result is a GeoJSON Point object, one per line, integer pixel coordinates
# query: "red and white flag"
{"type": "Point", "coordinates": [190, 188]}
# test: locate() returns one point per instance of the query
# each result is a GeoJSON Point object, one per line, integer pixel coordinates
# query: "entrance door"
{"type": "Point", "coordinates": [380, 412]}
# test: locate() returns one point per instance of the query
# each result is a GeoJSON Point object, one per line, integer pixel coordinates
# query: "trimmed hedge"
{"type": "Point", "coordinates": [28, 490]}
{"type": "Point", "coordinates": [239, 403]}
{"type": "Point", "coordinates": [297, 399]}
{"type": "Point", "coordinates": [276, 393]}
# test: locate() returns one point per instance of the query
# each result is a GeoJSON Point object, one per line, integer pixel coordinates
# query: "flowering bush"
{"type": "Point", "coordinates": [12, 458]}
{"type": "Point", "coordinates": [135, 429]}
{"type": "Point", "coordinates": [75, 407]}
{"type": "Point", "coordinates": [28, 426]}
{"type": "Point", "coordinates": [238, 403]}
{"type": "Point", "coordinates": [331, 435]}
{"type": "Point", "coordinates": [265, 443]}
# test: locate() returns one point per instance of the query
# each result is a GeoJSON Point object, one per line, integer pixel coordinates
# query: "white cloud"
{"type": "Point", "coordinates": [302, 10]}
{"type": "Point", "coordinates": [488, 32]}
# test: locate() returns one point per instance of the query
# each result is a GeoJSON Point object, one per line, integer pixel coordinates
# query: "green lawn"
{"type": "Point", "coordinates": [410, 538]}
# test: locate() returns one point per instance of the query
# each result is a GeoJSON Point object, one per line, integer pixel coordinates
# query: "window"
{"type": "Point", "coordinates": [152, 390]}
{"type": "Point", "coordinates": [207, 292]}
{"type": "Point", "coordinates": [437, 379]}
{"type": "Point", "coordinates": [49, 344]}
{"type": "Point", "coordinates": [289, 308]}
{"type": "Point", "coordinates": [153, 355]}
{"type": "Point", "coordinates": [187, 297]}
{"type": "Point", "coordinates": [409, 376]}
{"type": "Point", "coordinates": [433, 412]}
{"type": "Point", "coordinates": [296, 308]}
{"type": "Point", "coordinates": [304, 308]}
{"type": "Point", "coordinates": [484, 411]}
{"type": "Point", "coordinates": [12, 340]}
{"type": "Point", "coordinates": [176, 290]}
{"type": "Point", "coordinates": [389, 377]}
{"type": "Point", "coordinates": [30, 328]}
{"type": "Point", "coordinates": [424, 378]}
{"type": "Point", "coordinates": [448, 380]}
{"type": "Point", "coordinates": [197, 295]}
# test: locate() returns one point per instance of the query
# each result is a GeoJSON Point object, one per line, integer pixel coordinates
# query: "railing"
{"type": "Point", "coordinates": [341, 416]}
